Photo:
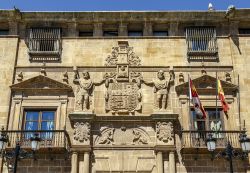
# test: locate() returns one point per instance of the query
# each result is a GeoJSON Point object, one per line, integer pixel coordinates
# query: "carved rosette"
{"type": "Point", "coordinates": [82, 132]}
{"type": "Point", "coordinates": [164, 132]}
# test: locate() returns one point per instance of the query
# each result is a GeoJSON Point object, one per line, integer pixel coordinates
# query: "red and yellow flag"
{"type": "Point", "coordinates": [194, 97]}
{"type": "Point", "coordinates": [222, 96]}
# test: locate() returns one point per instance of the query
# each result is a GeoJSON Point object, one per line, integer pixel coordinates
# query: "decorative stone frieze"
{"type": "Point", "coordinates": [107, 136]}
{"type": "Point", "coordinates": [120, 136]}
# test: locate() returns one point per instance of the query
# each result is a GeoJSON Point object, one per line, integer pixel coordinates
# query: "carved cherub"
{"type": "Point", "coordinates": [161, 87]}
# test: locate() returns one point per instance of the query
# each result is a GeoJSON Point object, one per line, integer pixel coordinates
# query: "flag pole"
{"type": "Point", "coordinates": [216, 107]}
{"type": "Point", "coordinates": [189, 111]}
{"type": "Point", "coordinates": [189, 97]}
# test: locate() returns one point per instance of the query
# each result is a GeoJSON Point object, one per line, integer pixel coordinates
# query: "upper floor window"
{"type": "Point", "coordinates": [213, 122]}
{"type": "Point", "coordinates": [201, 42]}
{"type": "Point", "coordinates": [110, 33]}
{"type": "Point", "coordinates": [44, 43]}
{"type": "Point", "coordinates": [160, 33]}
{"type": "Point", "coordinates": [244, 31]}
{"type": "Point", "coordinates": [39, 120]}
{"type": "Point", "coordinates": [85, 34]}
{"type": "Point", "coordinates": [135, 33]}
{"type": "Point", "coordinates": [4, 32]}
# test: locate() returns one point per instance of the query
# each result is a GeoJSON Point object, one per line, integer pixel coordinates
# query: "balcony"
{"type": "Point", "coordinates": [197, 139]}
{"type": "Point", "coordinates": [50, 139]}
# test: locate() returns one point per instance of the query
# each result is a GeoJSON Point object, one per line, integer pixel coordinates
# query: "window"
{"type": "Point", "coordinates": [110, 33]}
{"type": "Point", "coordinates": [160, 33]}
{"type": "Point", "coordinates": [44, 42]}
{"type": "Point", "coordinates": [244, 31]}
{"type": "Point", "coordinates": [201, 41]}
{"type": "Point", "coordinates": [135, 33]}
{"type": "Point", "coordinates": [85, 34]}
{"type": "Point", "coordinates": [213, 122]}
{"type": "Point", "coordinates": [4, 32]}
{"type": "Point", "coordinates": [39, 120]}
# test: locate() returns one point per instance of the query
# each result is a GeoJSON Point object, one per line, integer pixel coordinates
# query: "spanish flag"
{"type": "Point", "coordinates": [222, 96]}
{"type": "Point", "coordinates": [194, 97]}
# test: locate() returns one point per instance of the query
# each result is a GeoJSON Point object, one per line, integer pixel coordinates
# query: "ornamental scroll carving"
{"type": "Point", "coordinates": [107, 136]}
{"type": "Point", "coordinates": [123, 93]}
{"type": "Point", "coordinates": [164, 131]}
{"type": "Point", "coordinates": [122, 136]}
{"type": "Point", "coordinates": [82, 132]}
{"type": "Point", "coordinates": [139, 137]}
{"type": "Point", "coordinates": [123, 55]}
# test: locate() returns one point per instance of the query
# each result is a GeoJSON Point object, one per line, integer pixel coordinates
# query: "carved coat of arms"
{"type": "Point", "coordinates": [123, 97]}
{"type": "Point", "coordinates": [123, 86]}
{"type": "Point", "coordinates": [164, 131]}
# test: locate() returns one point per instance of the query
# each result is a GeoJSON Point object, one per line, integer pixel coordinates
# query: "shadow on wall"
{"type": "Point", "coordinates": [236, 42]}
{"type": "Point", "coordinates": [203, 163]}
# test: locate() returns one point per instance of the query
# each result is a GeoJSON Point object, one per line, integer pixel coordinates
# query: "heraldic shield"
{"type": "Point", "coordinates": [123, 97]}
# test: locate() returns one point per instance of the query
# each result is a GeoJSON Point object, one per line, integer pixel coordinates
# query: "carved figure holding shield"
{"type": "Point", "coordinates": [161, 87]}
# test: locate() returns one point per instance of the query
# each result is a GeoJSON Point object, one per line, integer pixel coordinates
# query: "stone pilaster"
{"type": "Point", "coordinates": [171, 162]}
{"type": "Point", "coordinates": [159, 160]}
{"type": "Point", "coordinates": [123, 29]}
{"type": "Point", "coordinates": [81, 164]}
{"type": "Point", "coordinates": [13, 28]}
{"type": "Point", "coordinates": [147, 29]}
{"type": "Point", "coordinates": [86, 162]}
{"type": "Point", "coordinates": [72, 29]}
{"type": "Point", "coordinates": [97, 30]}
{"type": "Point", "coordinates": [174, 29]}
{"type": "Point", "coordinates": [74, 162]}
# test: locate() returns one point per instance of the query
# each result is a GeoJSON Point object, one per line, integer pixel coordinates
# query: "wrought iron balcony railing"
{"type": "Point", "coordinates": [58, 139]}
{"type": "Point", "coordinates": [197, 139]}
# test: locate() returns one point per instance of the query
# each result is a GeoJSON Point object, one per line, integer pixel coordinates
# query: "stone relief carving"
{"type": "Point", "coordinates": [123, 54]}
{"type": "Point", "coordinates": [122, 136]}
{"type": "Point", "coordinates": [139, 138]}
{"type": "Point", "coordinates": [81, 131]}
{"type": "Point", "coordinates": [84, 91]}
{"type": "Point", "coordinates": [161, 87]}
{"type": "Point", "coordinates": [164, 131]}
{"type": "Point", "coordinates": [123, 86]}
{"type": "Point", "coordinates": [107, 136]}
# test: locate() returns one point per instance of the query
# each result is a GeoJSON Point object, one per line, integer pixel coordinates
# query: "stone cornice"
{"type": "Point", "coordinates": [105, 16]}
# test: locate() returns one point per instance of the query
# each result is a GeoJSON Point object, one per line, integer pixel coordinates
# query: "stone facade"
{"type": "Point", "coordinates": [122, 101]}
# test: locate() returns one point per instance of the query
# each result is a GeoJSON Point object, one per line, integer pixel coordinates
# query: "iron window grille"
{"type": "Point", "coordinates": [44, 43]}
{"type": "Point", "coordinates": [201, 43]}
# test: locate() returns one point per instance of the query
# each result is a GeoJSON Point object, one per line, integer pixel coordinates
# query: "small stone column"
{"type": "Point", "coordinates": [147, 29]}
{"type": "Point", "coordinates": [98, 30]}
{"type": "Point", "coordinates": [171, 162]}
{"type": "Point", "coordinates": [123, 29]}
{"type": "Point", "coordinates": [13, 28]}
{"type": "Point", "coordinates": [159, 159]}
{"type": "Point", "coordinates": [86, 162]}
{"type": "Point", "coordinates": [81, 163]}
{"type": "Point", "coordinates": [72, 29]}
{"type": "Point", "coordinates": [74, 162]}
{"type": "Point", "coordinates": [174, 28]}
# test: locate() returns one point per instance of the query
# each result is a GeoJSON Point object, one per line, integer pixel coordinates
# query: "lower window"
{"type": "Point", "coordinates": [39, 120]}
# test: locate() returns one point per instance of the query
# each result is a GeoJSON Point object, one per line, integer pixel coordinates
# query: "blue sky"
{"type": "Point", "coordinates": [117, 5]}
